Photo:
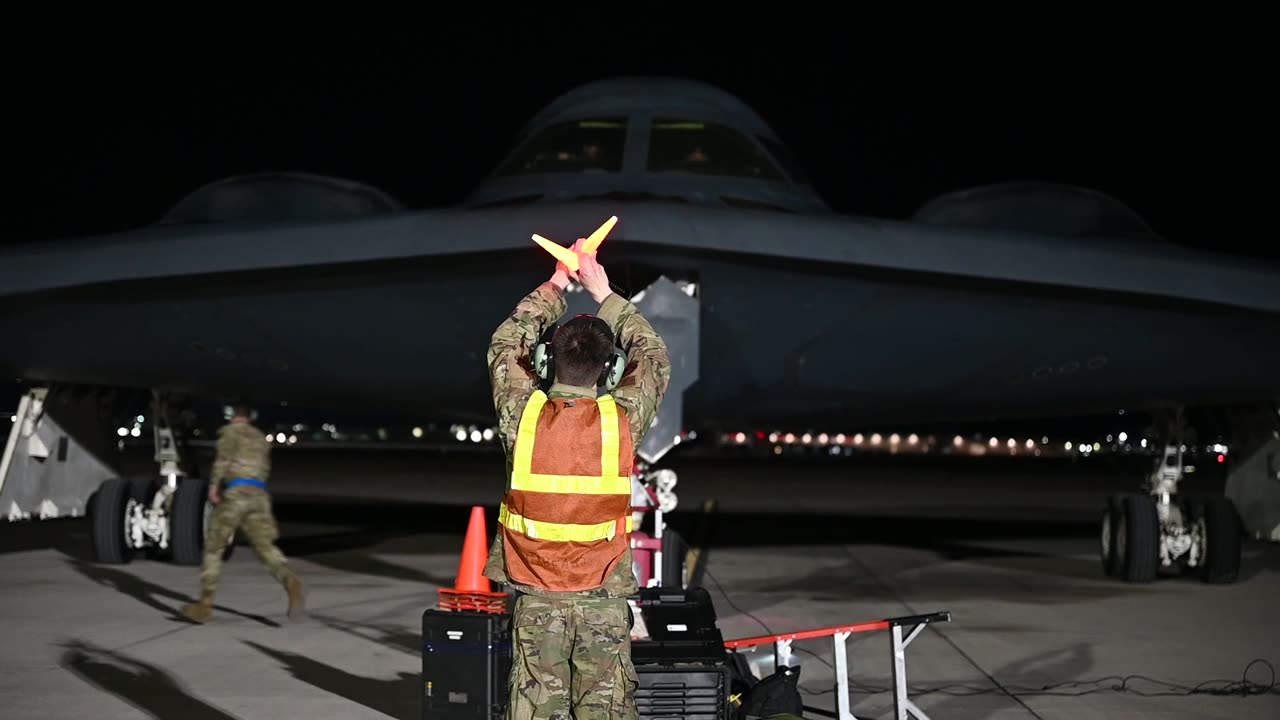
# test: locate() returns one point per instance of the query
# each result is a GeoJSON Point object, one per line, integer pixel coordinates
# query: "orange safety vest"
{"type": "Point", "coordinates": [566, 519]}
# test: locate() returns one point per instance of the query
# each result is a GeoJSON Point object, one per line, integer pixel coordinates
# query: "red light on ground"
{"type": "Point", "coordinates": [1222, 458]}
{"type": "Point", "coordinates": [760, 435]}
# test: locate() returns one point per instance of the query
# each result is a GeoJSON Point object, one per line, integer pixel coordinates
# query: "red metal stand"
{"type": "Point", "coordinates": [903, 707]}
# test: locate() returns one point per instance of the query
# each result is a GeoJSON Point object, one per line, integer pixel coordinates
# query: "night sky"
{"type": "Point", "coordinates": [119, 117]}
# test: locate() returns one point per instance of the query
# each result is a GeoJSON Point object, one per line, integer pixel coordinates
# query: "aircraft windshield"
{"type": "Point", "coordinates": [685, 146]}
{"type": "Point", "coordinates": [577, 146]}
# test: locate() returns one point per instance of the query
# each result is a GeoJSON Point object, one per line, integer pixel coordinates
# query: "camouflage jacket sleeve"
{"type": "Point", "coordinates": [225, 451]}
{"type": "Point", "coordinates": [648, 373]}
{"type": "Point", "coordinates": [510, 356]}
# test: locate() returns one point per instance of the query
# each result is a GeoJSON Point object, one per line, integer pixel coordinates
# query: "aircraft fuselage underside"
{"type": "Point", "coordinates": [411, 336]}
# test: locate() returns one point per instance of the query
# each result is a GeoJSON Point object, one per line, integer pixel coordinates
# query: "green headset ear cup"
{"type": "Point", "coordinates": [613, 369]}
{"type": "Point", "coordinates": [542, 358]}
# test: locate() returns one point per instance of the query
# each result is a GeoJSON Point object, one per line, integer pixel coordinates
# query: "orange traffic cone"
{"type": "Point", "coordinates": [471, 591]}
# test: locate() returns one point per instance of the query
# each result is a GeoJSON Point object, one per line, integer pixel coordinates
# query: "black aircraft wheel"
{"type": "Point", "coordinates": [186, 521]}
{"type": "Point", "coordinates": [1138, 539]}
{"type": "Point", "coordinates": [110, 543]}
{"type": "Point", "coordinates": [1221, 529]}
{"type": "Point", "coordinates": [1107, 536]}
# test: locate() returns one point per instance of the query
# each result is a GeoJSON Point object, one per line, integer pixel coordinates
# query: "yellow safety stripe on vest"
{"type": "Point", "coordinates": [609, 441]}
{"type": "Point", "coordinates": [572, 484]}
{"type": "Point", "coordinates": [523, 465]}
{"type": "Point", "coordinates": [557, 532]}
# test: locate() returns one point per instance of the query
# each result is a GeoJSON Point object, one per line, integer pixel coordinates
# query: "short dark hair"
{"type": "Point", "coordinates": [581, 347]}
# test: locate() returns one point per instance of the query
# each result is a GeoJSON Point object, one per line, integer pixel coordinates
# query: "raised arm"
{"type": "Point", "coordinates": [648, 373]}
{"type": "Point", "coordinates": [510, 356]}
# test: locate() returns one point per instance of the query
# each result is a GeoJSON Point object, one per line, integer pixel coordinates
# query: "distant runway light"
{"type": "Point", "coordinates": [1143, 443]}
{"type": "Point", "coordinates": [1030, 443]}
{"type": "Point", "coordinates": [1012, 443]}
{"type": "Point", "coordinates": [913, 439]}
{"type": "Point", "coordinates": [122, 432]}
{"type": "Point", "coordinates": [1124, 436]}
{"type": "Point", "coordinates": [857, 439]}
{"type": "Point", "coordinates": [806, 439]}
{"type": "Point", "coordinates": [994, 442]}
{"type": "Point", "coordinates": [823, 439]}
{"type": "Point", "coordinates": [476, 436]}
{"type": "Point", "coordinates": [293, 439]}
{"type": "Point", "coordinates": [1067, 446]}
{"type": "Point", "coordinates": [875, 439]}
{"type": "Point", "coordinates": [488, 434]}
{"type": "Point", "coordinates": [280, 437]}
{"type": "Point", "coordinates": [957, 441]}
{"type": "Point", "coordinates": [773, 437]}
{"type": "Point", "coordinates": [1044, 440]}
{"type": "Point", "coordinates": [460, 434]}
{"type": "Point", "coordinates": [417, 432]}
{"type": "Point", "coordinates": [840, 438]}
{"type": "Point", "coordinates": [894, 439]}
{"type": "Point", "coordinates": [742, 437]}
{"type": "Point", "coordinates": [135, 432]}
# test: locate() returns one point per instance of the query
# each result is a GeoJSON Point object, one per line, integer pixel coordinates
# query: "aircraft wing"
{"type": "Point", "coordinates": [805, 318]}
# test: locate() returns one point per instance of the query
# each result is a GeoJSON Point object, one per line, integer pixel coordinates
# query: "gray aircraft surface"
{"type": "Point", "coordinates": [1004, 301]}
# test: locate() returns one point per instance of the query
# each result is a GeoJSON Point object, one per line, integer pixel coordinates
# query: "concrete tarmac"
{"type": "Point", "coordinates": [1010, 549]}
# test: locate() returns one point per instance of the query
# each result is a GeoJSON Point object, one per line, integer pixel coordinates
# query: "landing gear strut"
{"type": "Point", "coordinates": [167, 515]}
{"type": "Point", "coordinates": [1147, 534]}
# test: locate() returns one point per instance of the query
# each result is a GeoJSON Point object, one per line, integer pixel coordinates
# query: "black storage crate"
{"type": "Point", "coordinates": [682, 692]}
{"type": "Point", "coordinates": [682, 628]}
{"type": "Point", "coordinates": [466, 665]}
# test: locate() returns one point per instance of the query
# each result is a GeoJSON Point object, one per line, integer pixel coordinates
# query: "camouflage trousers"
{"type": "Point", "coordinates": [571, 659]}
{"type": "Point", "coordinates": [250, 511]}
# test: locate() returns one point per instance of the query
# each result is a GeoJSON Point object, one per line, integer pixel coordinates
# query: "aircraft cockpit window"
{"type": "Point", "coordinates": [683, 146]}
{"type": "Point", "coordinates": [577, 146]}
{"type": "Point", "coordinates": [785, 159]}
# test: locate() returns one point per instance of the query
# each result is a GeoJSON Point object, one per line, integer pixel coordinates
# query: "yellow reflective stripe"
{"type": "Point", "coordinates": [558, 532]}
{"type": "Point", "coordinates": [523, 465]}
{"type": "Point", "coordinates": [609, 438]}
{"type": "Point", "coordinates": [572, 484]}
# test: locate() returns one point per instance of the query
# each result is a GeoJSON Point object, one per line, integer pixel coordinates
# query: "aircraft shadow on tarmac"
{"type": "Point", "coordinates": [151, 594]}
{"type": "Point", "coordinates": [397, 697]}
{"type": "Point", "coordinates": [138, 683]}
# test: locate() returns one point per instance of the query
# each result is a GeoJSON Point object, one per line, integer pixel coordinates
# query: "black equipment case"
{"type": "Point", "coordinates": [682, 668]}
{"type": "Point", "coordinates": [466, 665]}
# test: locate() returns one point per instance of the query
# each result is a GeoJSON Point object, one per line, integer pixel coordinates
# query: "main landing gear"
{"type": "Point", "coordinates": [167, 515]}
{"type": "Point", "coordinates": [1159, 532]}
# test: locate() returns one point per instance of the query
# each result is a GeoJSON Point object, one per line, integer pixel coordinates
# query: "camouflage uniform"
{"type": "Point", "coordinates": [242, 452]}
{"type": "Point", "coordinates": [572, 651]}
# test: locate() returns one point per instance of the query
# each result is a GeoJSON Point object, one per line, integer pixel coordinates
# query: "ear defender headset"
{"type": "Point", "coordinates": [610, 375]}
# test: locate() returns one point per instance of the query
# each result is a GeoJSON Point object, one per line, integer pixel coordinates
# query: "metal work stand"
{"type": "Point", "coordinates": [903, 707]}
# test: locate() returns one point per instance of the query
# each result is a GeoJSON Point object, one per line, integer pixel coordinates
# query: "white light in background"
{"type": "Point", "coordinates": [460, 434]}
{"type": "Point", "coordinates": [488, 434]}
{"type": "Point", "coordinates": [875, 439]}
{"type": "Point", "coordinates": [293, 439]}
{"type": "Point", "coordinates": [1067, 446]}
{"type": "Point", "coordinates": [136, 432]}
{"type": "Point", "coordinates": [476, 436]}
{"type": "Point", "coordinates": [417, 432]}
{"type": "Point", "coordinates": [280, 437]}
{"type": "Point", "coordinates": [1030, 443]}
{"type": "Point", "coordinates": [1124, 436]}
{"type": "Point", "coordinates": [122, 432]}
{"type": "Point", "coordinates": [994, 442]}
{"type": "Point", "coordinates": [913, 439]}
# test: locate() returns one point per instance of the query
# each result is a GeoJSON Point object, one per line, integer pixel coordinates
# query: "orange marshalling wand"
{"type": "Point", "coordinates": [589, 246]}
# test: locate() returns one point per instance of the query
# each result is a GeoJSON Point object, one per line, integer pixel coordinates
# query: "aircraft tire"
{"type": "Point", "coordinates": [108, 508]}
{"type": "Point", "coordinates": [186, 521]}
{"type": "Point", "coordinates": [1141, 556]}
{"type": "Point", "coordinates": [1107, 535]}
{"type": "Point", "coordinates": [1222, 544]}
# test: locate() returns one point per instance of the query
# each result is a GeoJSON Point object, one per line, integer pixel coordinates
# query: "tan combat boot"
{"type": "Point", "coordinates": [201, 611]}
{"type": "Point", "coordinates": [294, 587]}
